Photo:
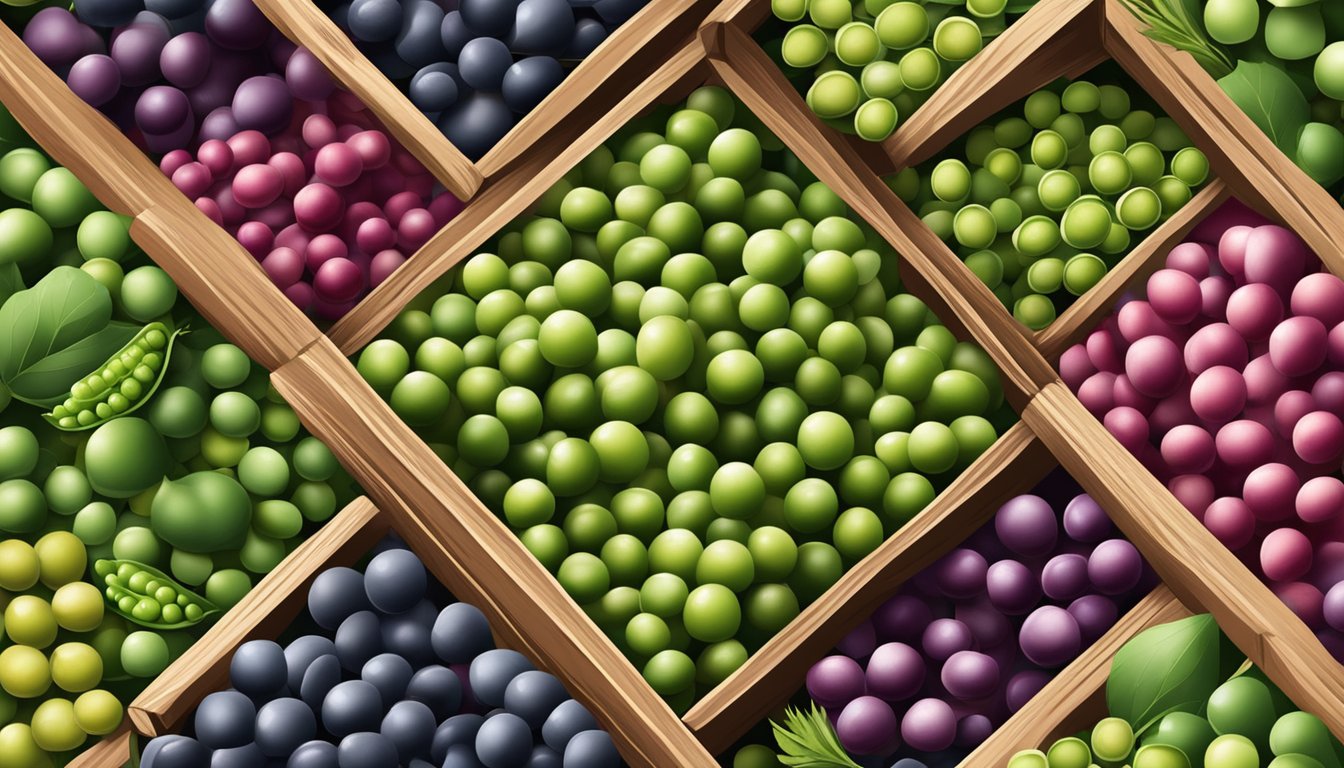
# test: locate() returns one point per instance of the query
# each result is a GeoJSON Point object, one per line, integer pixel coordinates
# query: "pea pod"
{"type": "Point", "coordinates": [126, 381]}
{"type": "Point", "coordinates": [148, 597]}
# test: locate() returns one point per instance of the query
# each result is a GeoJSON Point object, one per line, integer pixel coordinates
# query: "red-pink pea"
{"type": "Point", "coordinates": [1106, 351]}
{"type": "Point", "coordinates": [1171, 412]}
{"type": "Point", "coordinates": [1297, 346]}
{"type": "Point", "coordinates": [291, 169]}
{"type": "Point", "coordinates": [422, 184]}
{"type": "Point", "coordinates": [375, 235]}
{"type": "Point", "coordinates": [1218, 394]}
{"type": "Point", "coordinates": [1318, 437]}
{"type": "Point", "coordinates": [1215, 344]}
{"type": "Point", "coordinates": [1230, 521]}
{"type": "Point", "coordinates": [373, 147]}
{"type": "Point", "coordinates": [301, 295]}
{"type": "Point", "coordinates": [278, 215]}
{"type": "Point", "coordinates": [445, 207]}
{"type": "Point", "coordinates": [257, 185]}
{"type": "Point", "coordinates": [1285, 555]}
{"type": "Point", "coordinates": [1328, 392]}
{"type": "Point", "coordinates": [1188, 449]}
{"type": "Point", "coordinates": [406, 163]}
{"type": "Point", "coordinates": [1254, 310]}
{"type": "Point", "coordinates": [1137, 319]}
{"type": "Point", "coordinates": [1290, 408]}
{"type": "Point", "coordinates": [233, 213]}
{"type": "Point", "coordinates": [338, 280]}
{"type": "Point", "coordinates": [1244, 443]}
{"type": "Point", "coordinates": [210, 208]}
{"type": "Point", "coordinates": [1154, 364]}
{"type": "Point", "coordinates": [1194, 492]}
{"type": "Point", "coordinates": [345, 131]}
{"type": "Point", "coordinates": [1320, 499]}
{"type": "Point", "coordinates": [250, 147]}
{"type": "Point", "coordinates": [160, 143]}
{"type": "Point", "coordinates": [386, 183]}
{"type": "Point", "coordinates": [1128, 426]}
{"type": "Point", "coordinates": [1270, 490]}
{"type": "Point", "coordinates": [1264, 382]}
{"type": "Point", "coordinates": [1095, 393]}
{"type": "Point", "coordinates": [1232, 249]}
{"type": "Point", "coordinates": [1334, 344]}
{"type": "Point", "coordinates": [1174, 295]}
{"type": "Point", "coordinates": [1192, 258]}
{"type": "Point", "coordinates": [284, 266]}
{"type": "Point", "coordinates": [1213, 294]}
{"type": "Point", "coordinates": [1124, 393]}
{"type": "Point", "coordinates": [256, 237]}
{"type": "Point", "coordinates": [318, 207]}
{"type": "Point", "coordinates": [1319, 295]}
{"type": "Point", "coordinates": [318, 131]}
{"type": "Point", "coordinates": [356, 214]}
{"type": "Point", "coordinates": [398, 205]}
{"type": "Point", "coordinates": [1328, 569]}
{"type": "Point", "coordinates": [217, 156]}
{"type": "Point", "coordinates": [193, 179]}
{"type": "Point", "coordinates": [293, 236]}
{"type": "Point", "coordinates": [415, 229]}
{"type": "Point", "coordinates": [1304, 600]}
{"type": "Point", "coordinates": [383, 265]}
{"type": "Point", "coordinates": [1275, 256]}
{"type": "Point", "coordinates": [174, 160]}
{"type": "Point", "coordinates": [324, 248]}
{"type": "Point", "coordinates": [338, 165]}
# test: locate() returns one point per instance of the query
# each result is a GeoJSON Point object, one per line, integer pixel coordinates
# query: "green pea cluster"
{"type": "Point", "coordinates": [693, 387]}
{"type": "Point", "coordinates": [873, 62]}
{"type": "Point", "coordinates": [150, 597]}
{"type": "Point", "coordinates": [1048, 197]}
{"type": "Point", "coordinates": [124, 383]}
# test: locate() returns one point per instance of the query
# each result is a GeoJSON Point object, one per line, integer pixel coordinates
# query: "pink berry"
{"type": "Point", "coordinates": [1155, 366]}
{"type": "Point", "coordinates": [174, 160]}
{"type": "Point", "coordinates": [1304, 600]}
{"type": "Point", "coordinates": [1174, 295]}
{"type": "Point", "coordinates": [257, 185]}
{"type": "Point", "coordinates": [338, 165]}
{"type": "Point", "coordinates": [1215, 344]}
{"type": "Point", "coordinates": [1188, 449]}
{"type": "Point", "coordinates": [1320, 499]}
{"type": "Point", "coordinates": [1297, 346]}
{"type": "Point", "coordinates": [1230, 521]}
{"type": "Point", "coordinates": [211, 209]}
{"type": "Point", "coordinates": [1096, 393]}
{"type": "Point", "coordinates": [1213, 294]}
{"type": "Point", "coordinates": [1194, 492]}
{"type": "Point", "coordinates": [415, 229]}
{"type": "Point", "coordinates": [1244, 443]}
{"type": "Point", "coordinates": [1137, 319]}
{"type": "Point", "coordinates": [1171, 412]}
{"type": "Point", "coordinates": [338, 280]}
{"type": "Point", "coordinates": [1190, 258]}
{"type": "Point", "coordinates": [284, 266]}
{"type": "Point", "coordinates": [398, 205]}
{"type": "Point", "coordinates": [1106, 351]}
{"type": "Point", "coordinates": [1318, 437]}
{"type": "Point", "coordinates": [217, 156]}
{"type": "Point", "coordinates": [1328, 392]}
{"type": "Point", "coordinates": [291, 169]}
{"type": "Point", "coordinates": [1124, 393]}
{"type": "Point", "coordinates": [233, 213]}
{"type": "Point", "coordinates": [250, 147]}
{"type": "Point", "coordinates": [373, 147]}
{"type": "Point", "coordinates": [256, 237]}
{"type": "Point", "coordinates": [1285, 555]}
{"type": "Point", "coordinates": [1264, 382]}
{"type": "Point", "coordinates": [1218, 394]}
{"type": "Point", "coordinates": [1319, 295]}
{"type": "Point", "coordinates": [318, 131]}
{"type": "Point", "coordinates": [1232, 249]}
{"type": "Point", "coordinates": [1271, 490]}
{"type": "Point", "coordinates": [193, 179]}
{"type": "Point", "coordinates": [375, 235]}
{"type": "Point", "coordinates": [383, 265]}
{"type": "Point", "coordinates": [301, 295]}
{"type": "Point", "coordinates": [1074, 365]}
{"type": "Point", "coordinates": [445, 208]}
{"type": "Point", "coordinates": [1289, 409]}
{"type": "Point", "coordinates": [1254, 310]}
{"type": "Point", "coordinates": [318, 207]}
{"type": "Point", "coordinates": [293, 236]}
{"type": "Point", "coordinates": [324, 248]}
{"type": "Point", "coordinates": [1275, 256]}
{"type": "Point", "coordinates": [1335, 345]}
{"type": "Point", "coordinates": [1128, 426]}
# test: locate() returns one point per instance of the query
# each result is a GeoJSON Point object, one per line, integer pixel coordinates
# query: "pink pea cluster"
{"type": "Point", "coordinates": [1227, 380]}
{"type": "Point", "coordinates": [330, 206]}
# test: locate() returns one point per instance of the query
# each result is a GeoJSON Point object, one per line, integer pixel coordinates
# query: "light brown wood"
{"type": "Point", "coordinates": [493, 570]}
{"type": "Point", "coordinates": [263, 613]}
{"type": "Point", "coordinates": [756, 80]}
{"type": "Point", "coordinates": [775, 672]}
{"type": "Point", "coordinates": [1074, 323]}
{"type": "Point", "coordinates": [1050, 713]}
{"type": "Point", "coordinates": [503, 200]}
{"type": "Point", "coordinates": [1051, 39]}
{"type": "Point", "coordinates": [112, 751]}
{"type": "Point", "coordinates": [222, 281]}
{"type": "Point", "coordinates": [1239, 153]}
{"type": "Point", "coordinates": [1197, 568]}
{"type": "Point", "coordinates": [304, 23]}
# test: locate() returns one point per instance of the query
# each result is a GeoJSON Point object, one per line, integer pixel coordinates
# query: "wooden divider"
{"type": "Point", "coordinates": [1195, 565]}
{"type": "Point", "coordinates": [112, 751]}
{"type": "Point", "coordinates": [1013, 465]}
{"type": "Point", "coordinates": [1069, 702]}
{"type": "Point", "coordinates": [495, 571]}
{"type": "Point", "coordinates": [263, 613]}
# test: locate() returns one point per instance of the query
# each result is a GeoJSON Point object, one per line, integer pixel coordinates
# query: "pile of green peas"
{"type": "Point", "coordinates": [868, 64]}
{"type": "Point", "coordinates": [693, 386]}
{"type": "Point", "coordinates": [1045, 199]}
{"type": "Point", "coordinates": [75, 494]}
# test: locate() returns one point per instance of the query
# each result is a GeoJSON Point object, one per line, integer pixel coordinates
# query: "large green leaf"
{"type": "Point", "coordinates": [1169, 668]}
{"type": "Point", "coordinates": [1271, 99]}
{"type": "Point", "coordinates": [56, 332]}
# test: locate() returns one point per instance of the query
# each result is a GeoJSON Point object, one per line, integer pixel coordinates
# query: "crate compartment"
{"type": "Point", "coordinates": [433, 647]}
{"type": "Point", "coordinates": [937, 706]}
{"type": "Point", "coordinates": [135, 432]}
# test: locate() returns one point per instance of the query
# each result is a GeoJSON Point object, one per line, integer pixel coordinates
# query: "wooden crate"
{"type": "Point", "coordinates": [482, 562]}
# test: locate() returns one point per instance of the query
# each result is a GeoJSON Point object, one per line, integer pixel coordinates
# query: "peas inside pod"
{"type": "Point", "coordinates": [690, 381]}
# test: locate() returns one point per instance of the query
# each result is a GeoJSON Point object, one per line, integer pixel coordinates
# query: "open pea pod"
{"type": "Point", "coordinates": [147, 596]}
{"type": "Point", "coordinates": [123, 383]}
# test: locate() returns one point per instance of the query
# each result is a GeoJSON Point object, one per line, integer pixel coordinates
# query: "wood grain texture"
{"type": "Point", "coordinates": [1191, 562]}
{"type": "Point", "coordinates": [490, 567]}
{"type": "Point", "coordinates": [222, 281]}
{"type": "Point", "coordinates": [304, 23]}
{"type": "Point", "coordinates": [756, 80]}
{"type": "Point", "coordinates": [1239, 153]}
{"type": "Point", "coordinates": [112, 751]}
{"type": "Point", "coordinates": [1053, 711]}
{"type": "Point", "coordinates": [1013, 465]}
{"type": "Point", "coordinates": [263, 613]}
{"type": "Point", "coordinates": [76, 135]}
{"type": "Point", "coordinates": [1074, 323]}
{"type": "Point", "coordinates": [624, 59]}
{"type": "Point", "coordinates": [503, 200]}
{"type": "Point", "coordinates": [1049, 40]}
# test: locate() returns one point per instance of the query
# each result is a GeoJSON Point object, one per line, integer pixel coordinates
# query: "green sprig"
{"type": "Point", "coordinates": [809, 741]}
{"type": "Point", "coordinates": [1172, 22]}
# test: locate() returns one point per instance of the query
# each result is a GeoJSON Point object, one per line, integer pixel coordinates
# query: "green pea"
{"type": "Point", "coordinates": [957, 38]}
{"type": "Point", "coordinates": [20, 170]}
{"type": "Point", "coordinates": [921, 69]}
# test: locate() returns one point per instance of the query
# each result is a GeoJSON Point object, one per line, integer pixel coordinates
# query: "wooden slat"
{"type": "Point", "coordinates": [503, 200]}
{"type": "Point", "coordinates": [1011, 466]}
{"type": "Point", "coordinates": [1064, 705]}
{"type": "Point", "coordinates": [1239, 153]}
{"type": "Point", "coordinates": [1074, 323]}
{"type": "Point", "coordinates": [756, 80]}
{"type": "Point", "coordinates": [112, 751]}
{"type": "Point", "coordinates": [1050, 39]}
{"type": "Point", "coordinates": [1192, 563]}
{"type": "Point", "coordinates": [496, 572]}
{"type": "Point", "coordinates": [222, 281]}
{"type": "Point", "coordinates": [264, 612]}
{"type": "Point", "coordinates": [304, 23]}
{"type": "Point", "coordinates": [76, 135]}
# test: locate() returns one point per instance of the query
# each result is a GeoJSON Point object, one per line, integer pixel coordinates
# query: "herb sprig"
{"type": "Point", "coordinates": [809, 741]}
{"type": "Point", "coordinates": [1174, 22]}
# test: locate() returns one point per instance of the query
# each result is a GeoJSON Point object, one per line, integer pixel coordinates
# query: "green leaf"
{"type": "Point", "coordinates": [11, 282]}
{"type": "Point", "coordinates": [54, 332]}
{"type": "Point", "coordinates": [1168, 668]}
{"type": "Point", "coordinates": [808, 740]}
{"type": "Point", "coordinates": [1271, 99]}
